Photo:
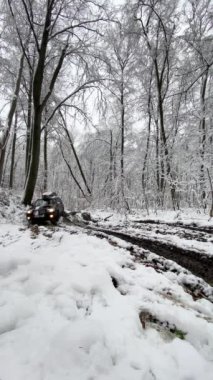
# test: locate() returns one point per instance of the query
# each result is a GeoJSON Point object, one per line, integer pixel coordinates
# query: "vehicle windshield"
{"type": "Point", "coordinates": [40, 203]}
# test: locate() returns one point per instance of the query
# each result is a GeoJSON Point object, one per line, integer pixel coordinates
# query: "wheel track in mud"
{"type": "Point", "coordinates": [181, 231]}
{"type": "Point", "coordinates": [192, 227]}
{"type": "Point", "coordinates": [198, 263]}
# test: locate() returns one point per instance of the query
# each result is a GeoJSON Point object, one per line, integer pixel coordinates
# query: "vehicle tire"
{"type": "Point", "coordinates": [56, 219]}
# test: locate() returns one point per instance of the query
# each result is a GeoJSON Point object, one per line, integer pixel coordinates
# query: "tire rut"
{"type": "Point", "coordinates": [192, 227]}
{"type": "Point", "coordinates": [200, 265]}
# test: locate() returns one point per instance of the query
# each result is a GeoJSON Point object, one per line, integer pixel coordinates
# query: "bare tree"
{"type": "Point", "coordinates": [120, 63]}
{"type": "Point", "coordinates": [200, 49]}
{"type": "Point", "coordinates": [156, 24]}
{"type": "Point", "coordinates": [55, 38]}
{"type": "Point", "coordinates": [5, 131]}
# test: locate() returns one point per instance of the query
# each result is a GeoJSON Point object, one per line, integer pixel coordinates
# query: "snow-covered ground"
{"type": "Point", "coordinates": [186, 217]}
{"type": "Point", "coordinates": [70, 306]}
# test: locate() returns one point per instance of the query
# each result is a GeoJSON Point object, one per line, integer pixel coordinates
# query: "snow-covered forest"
{"type": "Point", "coordinates": [108, 104]}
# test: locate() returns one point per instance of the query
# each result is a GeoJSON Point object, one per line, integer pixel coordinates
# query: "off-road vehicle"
{"type": "Point", "coordinates": [49, 207]}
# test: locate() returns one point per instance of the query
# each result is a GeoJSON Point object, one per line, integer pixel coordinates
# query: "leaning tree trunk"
{"type": "Point", "coordinates": [71, 171]}
{"type": "Point", "coordinates": [76, 156]}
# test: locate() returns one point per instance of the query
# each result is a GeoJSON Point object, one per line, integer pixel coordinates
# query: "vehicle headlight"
{"type": "Point", "coordinates": [29, 212]}
{"type": "Point", "coordinates": [50, 209]}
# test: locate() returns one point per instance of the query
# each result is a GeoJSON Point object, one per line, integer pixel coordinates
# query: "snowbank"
{"type": "Point", "coordinates": [11, 209]}
{"type": "Point", "coordinates": [70, 305]}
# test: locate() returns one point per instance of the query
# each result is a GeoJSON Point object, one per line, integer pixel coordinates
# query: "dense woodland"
{"type": "Point", "coordinates": [109, 105]}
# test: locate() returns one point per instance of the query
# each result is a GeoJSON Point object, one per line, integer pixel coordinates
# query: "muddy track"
{"type": "Point", "coordinates": [192, 227]}
{"type": "Point", "coordinates": [200, 265]}
{"type": "Point", "coordinates": [162, 229]}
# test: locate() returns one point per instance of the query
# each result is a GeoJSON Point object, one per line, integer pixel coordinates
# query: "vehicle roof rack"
{"type": "Point", "coordinates": [48, 195]}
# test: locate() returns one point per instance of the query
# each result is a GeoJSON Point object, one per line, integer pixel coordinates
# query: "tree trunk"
{"type": "Point", "coordinates": [13, 154]}
{"type": "Point", "coordinates": [163, 139]}
{"type": "Point", "coordinates": [35, 155]}
{"type": "Point", "coordinates": [45, 160]}
{"type": "Point", "coordinates": [122, 142]}
{"type": "Point", "coordinates": [3, 142]}
{"type": "Point", "coordinates": [146, 155]}
{"type": "Point", "coordinates": [123, 198]}
{"type": "Point", "coordinates": [203, 139]}
{"type": "Point", "coordinates": [211, 192]}
{"type": "Point", "coordinates": [75, 155]}
{"type": "Point", "coordinates": [29, 128]}
{"type": "Point", "coordinates": [111, 166]}
{"type": "Point", "coordinates": [71, 172]}
{"type": "Point", "coordinates": [38, 108]}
